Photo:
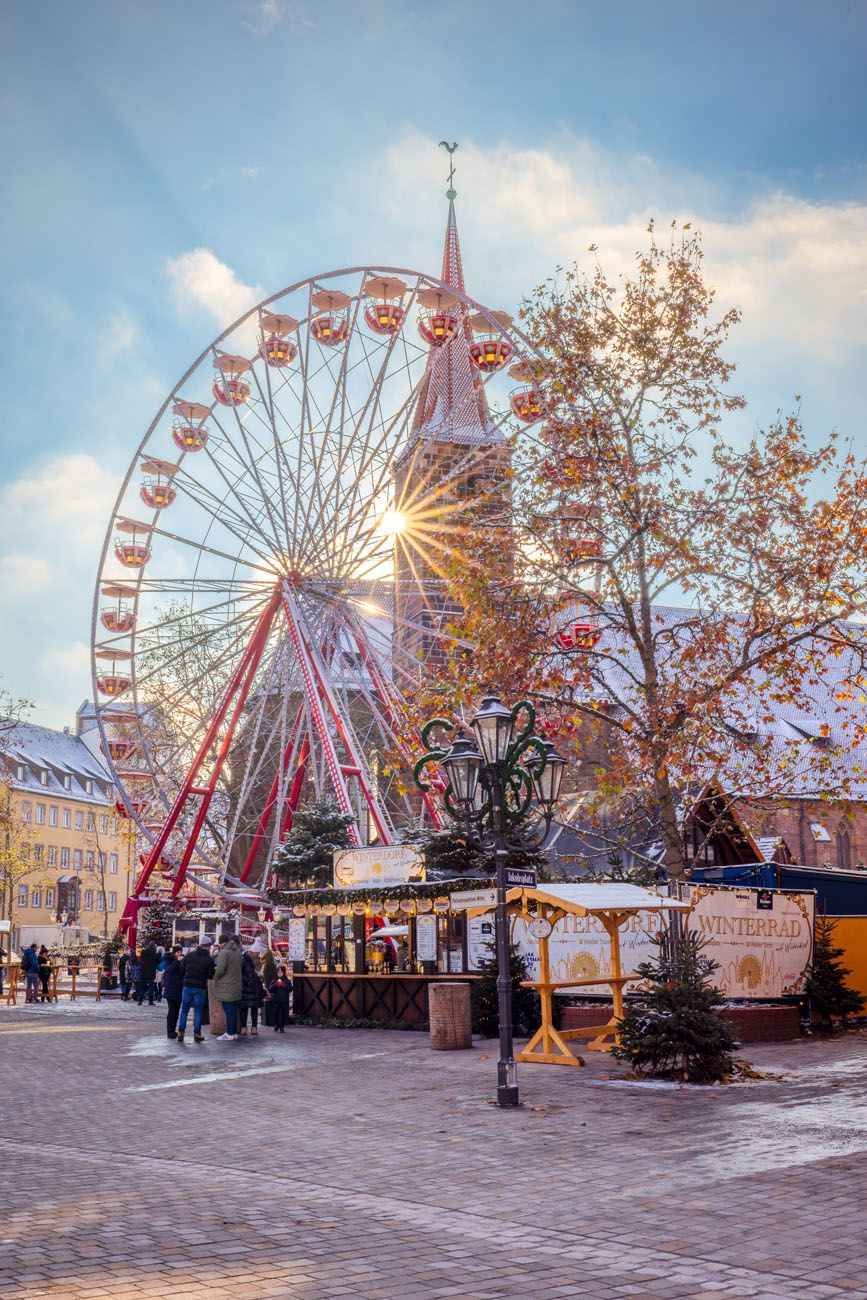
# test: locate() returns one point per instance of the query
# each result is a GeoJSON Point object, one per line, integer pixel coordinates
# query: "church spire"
{"type": "Point", "coordinates": [451, 405]}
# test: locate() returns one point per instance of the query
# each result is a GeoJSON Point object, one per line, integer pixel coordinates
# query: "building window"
{"type": "Point", "coordinates": [25, 852]}
{"type": "Point", "coordinates": [19, 772]}
{"type": "Point", "coordinates": [22, 895]}
{"type": "Point", "coordinates": [76, 859]}
{"type": "Point", "coordinates": [88, 785]}
{"type": "Point", "coordinates": [103, 825]}
{"type": "Point", "coordinates": [64, 859]}
{"type": "Point", "coordinates": [112, 901]}
{"type": "Point", "coordinates": [88, 900]}
{"type": "Point", "coordinates": [67, 819]}
{"type": "Point", "coordinates": [114, 826]}
{"type": "Point", "coordinates": [43, 775]}
{"type": "Point", "coordinates": [91, 822]}
{"type": "Point", "coordinates": [100, 901]}
{"type": "Point", "coordinates": [89, 860]}
{"type": "Point", "coordinates": [38, 851]}
{"type": "Point", "coordinates": [112, 864]}
{"type": "Point", "coordinates": [27, 811]}
{"type": "Point", "coordinates": [49, 896]}
{"type": "Point", "coordinates": [51, 856]}
{"type": "Point", "coordinates": [844, 848]}
{"type": "Point", "coordinates": [36, 898]}
{"type": "Point", "coordinates": [79, 820]}
{"type": "Point", "coordinates": [101, 857]}
{"type": "Point", "coordinates": [40, 814]}
{"type": "Point", "coordinates": [67, 781]}
{"type": "Point", "coordinates": [53, 814]}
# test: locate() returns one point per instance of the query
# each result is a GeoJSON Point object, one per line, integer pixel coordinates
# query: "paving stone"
{"type": "Point", "coordinates": [359, 1164]}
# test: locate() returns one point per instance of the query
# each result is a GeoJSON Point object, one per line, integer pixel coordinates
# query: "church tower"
{"type": "Point", "coordinates": [452, 477]}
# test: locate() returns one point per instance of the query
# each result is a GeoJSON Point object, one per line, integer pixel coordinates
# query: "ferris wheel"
{"type": "Point", "coordinates": [272, 585]}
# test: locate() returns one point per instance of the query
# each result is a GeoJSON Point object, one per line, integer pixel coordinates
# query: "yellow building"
{"type": "Point", "coordinates": [68, 857]}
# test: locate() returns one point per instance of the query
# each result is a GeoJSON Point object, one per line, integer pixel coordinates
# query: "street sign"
{"type": "Point", "coordinates": [515, 877]}
{"type": "Point", "coordinates": [464, 899]}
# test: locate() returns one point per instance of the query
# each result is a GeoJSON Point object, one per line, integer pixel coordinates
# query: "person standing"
{"type": "Point", "coordinates": [227, 985]}
{"type": "Point", "coordinates": [281, 987]}
{"type": "Point", "coordinates": [30, 969]}
{"type": "Point", "coordinates": [252, 995]}
{"type": "Point", "coordinates": [147, 973]}
{"type": "Point", "coordinates": [162, 962]}
{"type": "Point", "coordinates": [124, 972]}
{"type": "Point", "coordinates": [44, 973]}
{"type": "Point", "coordinates": [196, 969]}
{"type": "Point", "coordinates": [173, 986]}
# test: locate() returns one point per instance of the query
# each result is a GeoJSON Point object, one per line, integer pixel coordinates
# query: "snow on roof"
{"type": "Point", "coordinates": [606, 896]}
{"type": "Point", "coordinates": [44, 750]}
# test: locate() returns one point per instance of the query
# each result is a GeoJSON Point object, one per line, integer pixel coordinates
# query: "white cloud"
{"type": "Point", "coordinates": [118, 337]}
{"type": "Point", "coordinates": [62, 508]}
{"type": "Point", "coordinates": [267, 14]}
{"type": "Point", "coordinates": [798, 269]}
{"type": "Point", "coordinates": [52, 522]}
{"type": "Point", "coordinates": [24, 576]}
{"type": "Point", "coordinates": [69, 662]}
{"type": "Point", "coordinates": [199, 278]}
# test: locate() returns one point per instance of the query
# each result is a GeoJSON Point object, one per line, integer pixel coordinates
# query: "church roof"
{"type": "Point", "coordinates": [451, 404]}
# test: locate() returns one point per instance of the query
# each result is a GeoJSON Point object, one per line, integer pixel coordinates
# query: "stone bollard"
{"type": "Point", "coordinates": [450, 1019]}
{"type": "Point", "coordinates": [215, 1011]}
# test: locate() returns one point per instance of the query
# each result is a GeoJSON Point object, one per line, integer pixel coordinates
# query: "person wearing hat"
{"type": "Point", "coordinates": [173, 988]}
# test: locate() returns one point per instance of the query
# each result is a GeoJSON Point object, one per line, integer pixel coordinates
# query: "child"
{"type": "Point", "coordinates": [280, 989]}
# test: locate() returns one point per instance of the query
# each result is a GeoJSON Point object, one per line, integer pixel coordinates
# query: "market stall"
{"type": "Point", "coordinates": [612, 905]}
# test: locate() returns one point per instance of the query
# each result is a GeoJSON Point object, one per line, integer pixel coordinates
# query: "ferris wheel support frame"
{"type": "Point", "coordinates": [240, 683]}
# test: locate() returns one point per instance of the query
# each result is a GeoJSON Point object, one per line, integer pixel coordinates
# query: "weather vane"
{"type": "Point", "coordinates": [451, 193]}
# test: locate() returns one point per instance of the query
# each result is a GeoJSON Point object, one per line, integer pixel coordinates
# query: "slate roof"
{"type": "Point", "coordinates": [57, 753]}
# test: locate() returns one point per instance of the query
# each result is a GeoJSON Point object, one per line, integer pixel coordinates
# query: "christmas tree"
{"type": "Point", "coordinates": [526, 1015]}
{"type": "Point", "coordinates": [675, 1028]}
{"type": "Point", "coordinates": [155, 922]}
{"type": "Point", "coordinates": [305, 858]}
{"type": "Point", "coordinates": [826, 985]}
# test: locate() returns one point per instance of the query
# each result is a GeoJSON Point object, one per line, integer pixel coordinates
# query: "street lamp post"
{"type": "Point", "coordinates": [501, 786]}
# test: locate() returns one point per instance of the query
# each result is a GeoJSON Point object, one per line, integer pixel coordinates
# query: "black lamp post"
{"type": "Point", "coordinates": [503, 790]}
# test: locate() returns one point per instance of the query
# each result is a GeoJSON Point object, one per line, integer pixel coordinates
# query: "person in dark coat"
{"type": "Point", "coordinates": [147, 974]}
{"type": "Point", "coordinates": [173, 988]}
{"type": "Point", "coordinates": [196, 969]}
{"type": "Point", "coordinates": [124, 973]}
{"type": "Point", "coordinates": [30, 971]}
{"type": "Point", "coordinates": [44, 974]}
{"type": "Point", "coordinates": [252, 995]}
{"type": "Point", "coordinates": [281, 988]}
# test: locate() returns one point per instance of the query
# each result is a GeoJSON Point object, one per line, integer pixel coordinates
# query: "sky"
{"type": "Point", "coordinates": [168, 162]}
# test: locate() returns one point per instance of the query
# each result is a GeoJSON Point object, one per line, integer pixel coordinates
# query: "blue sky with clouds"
{"type": "Point", "coordinates": [165, 161]}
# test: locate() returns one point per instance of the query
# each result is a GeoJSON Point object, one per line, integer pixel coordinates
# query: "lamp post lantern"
{"type": "Point", "coordinates": [502, 787]}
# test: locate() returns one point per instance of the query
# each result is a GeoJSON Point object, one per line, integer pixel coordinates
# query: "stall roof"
{"type": "Point", "coordinates": [606, 896]}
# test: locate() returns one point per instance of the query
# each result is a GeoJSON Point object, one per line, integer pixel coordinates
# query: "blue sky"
{"type": "Point", "coordinates": [164, 161]}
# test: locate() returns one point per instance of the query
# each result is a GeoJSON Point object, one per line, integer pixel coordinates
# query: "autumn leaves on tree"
{"type": "Point", "coordinates": [661, 584]}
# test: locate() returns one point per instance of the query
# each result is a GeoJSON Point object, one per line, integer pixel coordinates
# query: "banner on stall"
{"type": "Point", "coordinates": [297, 936]}
{"type": "Point", "coordinates": [383, 864]}
{"type": "Point", "coordinates": [761, 939]}
{"type": "Point", "coordinates": [761, 951]}
{"type": "Point", "coordinates": [426, 938]}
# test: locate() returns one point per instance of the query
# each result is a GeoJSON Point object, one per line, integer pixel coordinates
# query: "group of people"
{"type": "Point", "coordinates": [182, 981]}
{"type": "Point", "coordinates": [36, 967]}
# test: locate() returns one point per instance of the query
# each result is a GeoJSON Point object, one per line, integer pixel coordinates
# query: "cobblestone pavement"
{"type": "Point", "coordinates": [337, 1163]}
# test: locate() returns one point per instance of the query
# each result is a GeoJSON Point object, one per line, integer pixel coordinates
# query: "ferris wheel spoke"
{"type": "Point", "coordinates": [251, 466]}
{"type": "Point", "coordinates": [280, 461]}
{"type": "Point", "coordinates": [228, 519]}
{"type": "Point", "coordinates": [371, 404]}
{"type": "Point", "coordinates": [346, 510]}
{"type": "Point", "coordinates": [273, 572]}
{"type": "Point", "coordinates": [338, 403]}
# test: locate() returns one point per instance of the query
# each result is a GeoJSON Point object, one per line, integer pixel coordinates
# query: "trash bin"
{"type": "Point", "coordinates": [450, 1019]}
